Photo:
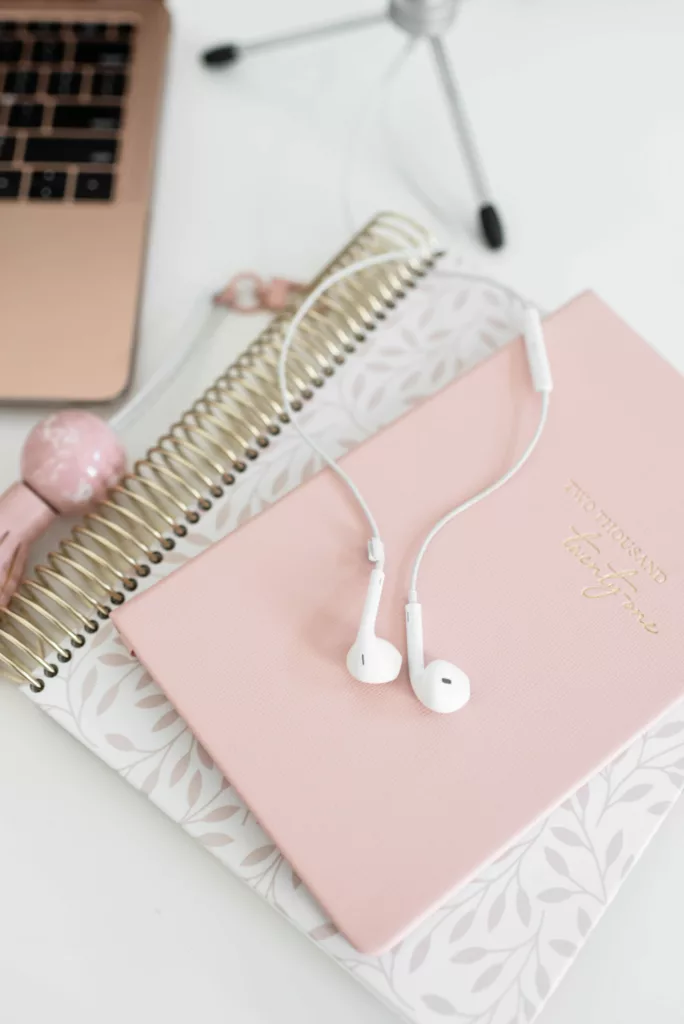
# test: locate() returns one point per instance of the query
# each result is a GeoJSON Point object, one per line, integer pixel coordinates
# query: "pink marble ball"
{"type": "Point", "coordinates": [72, 459]}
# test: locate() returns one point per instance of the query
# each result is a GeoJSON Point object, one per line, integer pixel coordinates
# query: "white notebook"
{"type": "Point", "coordinates": [501, 945]}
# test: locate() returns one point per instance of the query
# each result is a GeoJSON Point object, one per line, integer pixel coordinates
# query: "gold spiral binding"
{"type": "Point", "coordinates": [199, 458]}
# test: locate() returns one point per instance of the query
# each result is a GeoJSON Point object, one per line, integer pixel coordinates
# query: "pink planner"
{"type": "Point", "coordinates": [559, 596]}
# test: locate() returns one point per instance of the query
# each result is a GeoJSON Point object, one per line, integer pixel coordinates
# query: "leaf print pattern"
{"type": "Point", "coordinates": [494, 951]}
{"type": "Point", "coordinates": [420, 953]}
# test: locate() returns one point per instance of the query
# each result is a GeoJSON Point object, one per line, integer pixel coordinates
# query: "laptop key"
{"type": "Point", "coordinates": [10, 183]}
{"type": "Point", "coordinates": [51, 150]}
{"type": "Point", "coordinates": [94, 186]}
{"type": "Point", "coordinates": [49, 51]}
{"type": "Point", "coordinates": [21, 83]}
{"type": "Point", "coordinates": [26, 115]}
{"type": "Point", "coordinates": [65, 83]}
{"type": "Point", "coordinates": [7, 144]}
{"type": "Point", "coordinates": [8, 28]}
{"type": "Point", "coordinates": [78, 115]}
{"type": "Point", "coordinates": [124, 31]}
{"type": "Point", "coordinates": [89, 29]}
{"type": "Point", "coordinates": [49, 28]}
{"type": "Point", "coordinates": [10, 51]}
{"type": "Point", "coordinates": [47, 185]}
{"type": "Point", "coordinates": [114, 55]}
{"type": "Point", "coordinates": [109, 85]}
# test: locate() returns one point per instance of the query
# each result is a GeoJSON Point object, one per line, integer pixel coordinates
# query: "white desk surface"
{"type": "Point", "coordinates": [111, 913]}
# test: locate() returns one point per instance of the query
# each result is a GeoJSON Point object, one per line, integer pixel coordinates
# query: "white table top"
{"type": "Point", "coordinates": [109, 911]}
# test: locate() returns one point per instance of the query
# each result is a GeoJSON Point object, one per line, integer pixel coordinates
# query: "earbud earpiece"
{"type": "Point", "coordinates": [372, 659]}
{"type": "Point", "coordinates": [440, 686]}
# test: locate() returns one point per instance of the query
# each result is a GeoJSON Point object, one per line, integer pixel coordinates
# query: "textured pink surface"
{"type": "Point", "coordinates": [382, 807]}
{"type": "Point", "coordinates": [72, 459]}
{"type": "Point", "coordinates": [23, 517]}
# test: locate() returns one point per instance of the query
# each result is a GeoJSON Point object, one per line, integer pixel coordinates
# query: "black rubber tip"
{"type": "Point", "coordinates": [492, 228]}
{"type": "Point", "coordinates": [221, 55]}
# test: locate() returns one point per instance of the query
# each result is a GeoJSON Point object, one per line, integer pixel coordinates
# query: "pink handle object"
{"type": "Point", "coordinates": [69, 462]}
{"type": "Point", "coordinates": [23, 517]}
{"type": "Point", "coordinates": [72, 459]}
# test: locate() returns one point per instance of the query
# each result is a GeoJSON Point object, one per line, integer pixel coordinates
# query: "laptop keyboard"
{"type": "Point", "coordinates": [62, 94]}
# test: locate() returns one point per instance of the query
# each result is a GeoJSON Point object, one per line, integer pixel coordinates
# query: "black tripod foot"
{"type": "Point", "coordinates": [219, 56]}
{"type": "Point", "coordinates": [491, 226]}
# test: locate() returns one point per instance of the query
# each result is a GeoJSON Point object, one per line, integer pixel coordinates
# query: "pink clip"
{"type": "Point", "coordinates": [246, 292]}
{"type": "Point", "coordinates": [278, 293]}
{"type": "Point", "coordinates": [242, 293]}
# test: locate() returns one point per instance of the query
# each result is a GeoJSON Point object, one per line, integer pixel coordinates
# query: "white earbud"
{"type": "Point", "coordinates": [440, 686]}
{"type": "Point", "coordinates": [372, 659]}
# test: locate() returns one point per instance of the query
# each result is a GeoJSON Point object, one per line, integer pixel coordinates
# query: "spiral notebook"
{"type": "Point", "coordinates": [369, 351]}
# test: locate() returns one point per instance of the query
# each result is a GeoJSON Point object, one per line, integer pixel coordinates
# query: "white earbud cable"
{"type": "Point", "coordinates": [376, 551]}
{"type": "Point", "coordinates": [290, 334]}
{"type": "Point", "coordinates": [480, 496]}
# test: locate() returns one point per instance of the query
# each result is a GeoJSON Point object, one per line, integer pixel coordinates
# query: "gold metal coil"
{"type": "Point", "coordinates": [188, 446]}
{"type": "Point", "coordinates": [166, 496]}
{"type": "Point", "coordinates": [207, 410]}
{"type": "Point", "coordinates": [49, 670]}
{"type": "Point", "coordinates": [253, 415]}
{"type": "Point", "coordinates": [76, 640]}
{"type": "Point", "coordinates": [126, 491]}
{"type": "Point", "coordinates": [62, 581]}
{"type": "Point", "coordinates": [104, 542]}
{"type": "Point", "coordinates": [174, 458]}
{"type": "Point", "coordinates": [80, 549]}
{"type": "Point", "coordinates": [16, 669]}
{"type": "Point", "coordinates": [214, 443]}
{"type": "Point", "coordinates": [129, 536]}
{"type": "Point", "coordinates": [62, 653]}
{"type": "Point", "coordinates": [176, 480]}
{"type": "Point", "coordinates": [196, 461]}
{"type": "Point", "coordinates": [55, 599]}
{"type": "Point", "coordinates": [133, 519]}
{"type": "Point", "coordinates": [59, 558]}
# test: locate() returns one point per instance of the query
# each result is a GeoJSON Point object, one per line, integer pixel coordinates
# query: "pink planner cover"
{"type": "Point", "coordinates": [559, 596]}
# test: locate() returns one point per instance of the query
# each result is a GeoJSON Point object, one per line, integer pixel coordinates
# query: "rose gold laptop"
{"type": "Point", "coordinates": [80, 88]}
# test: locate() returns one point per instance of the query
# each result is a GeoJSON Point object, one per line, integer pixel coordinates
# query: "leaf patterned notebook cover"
{"type": "Point", "coordinates": [495, 952]}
